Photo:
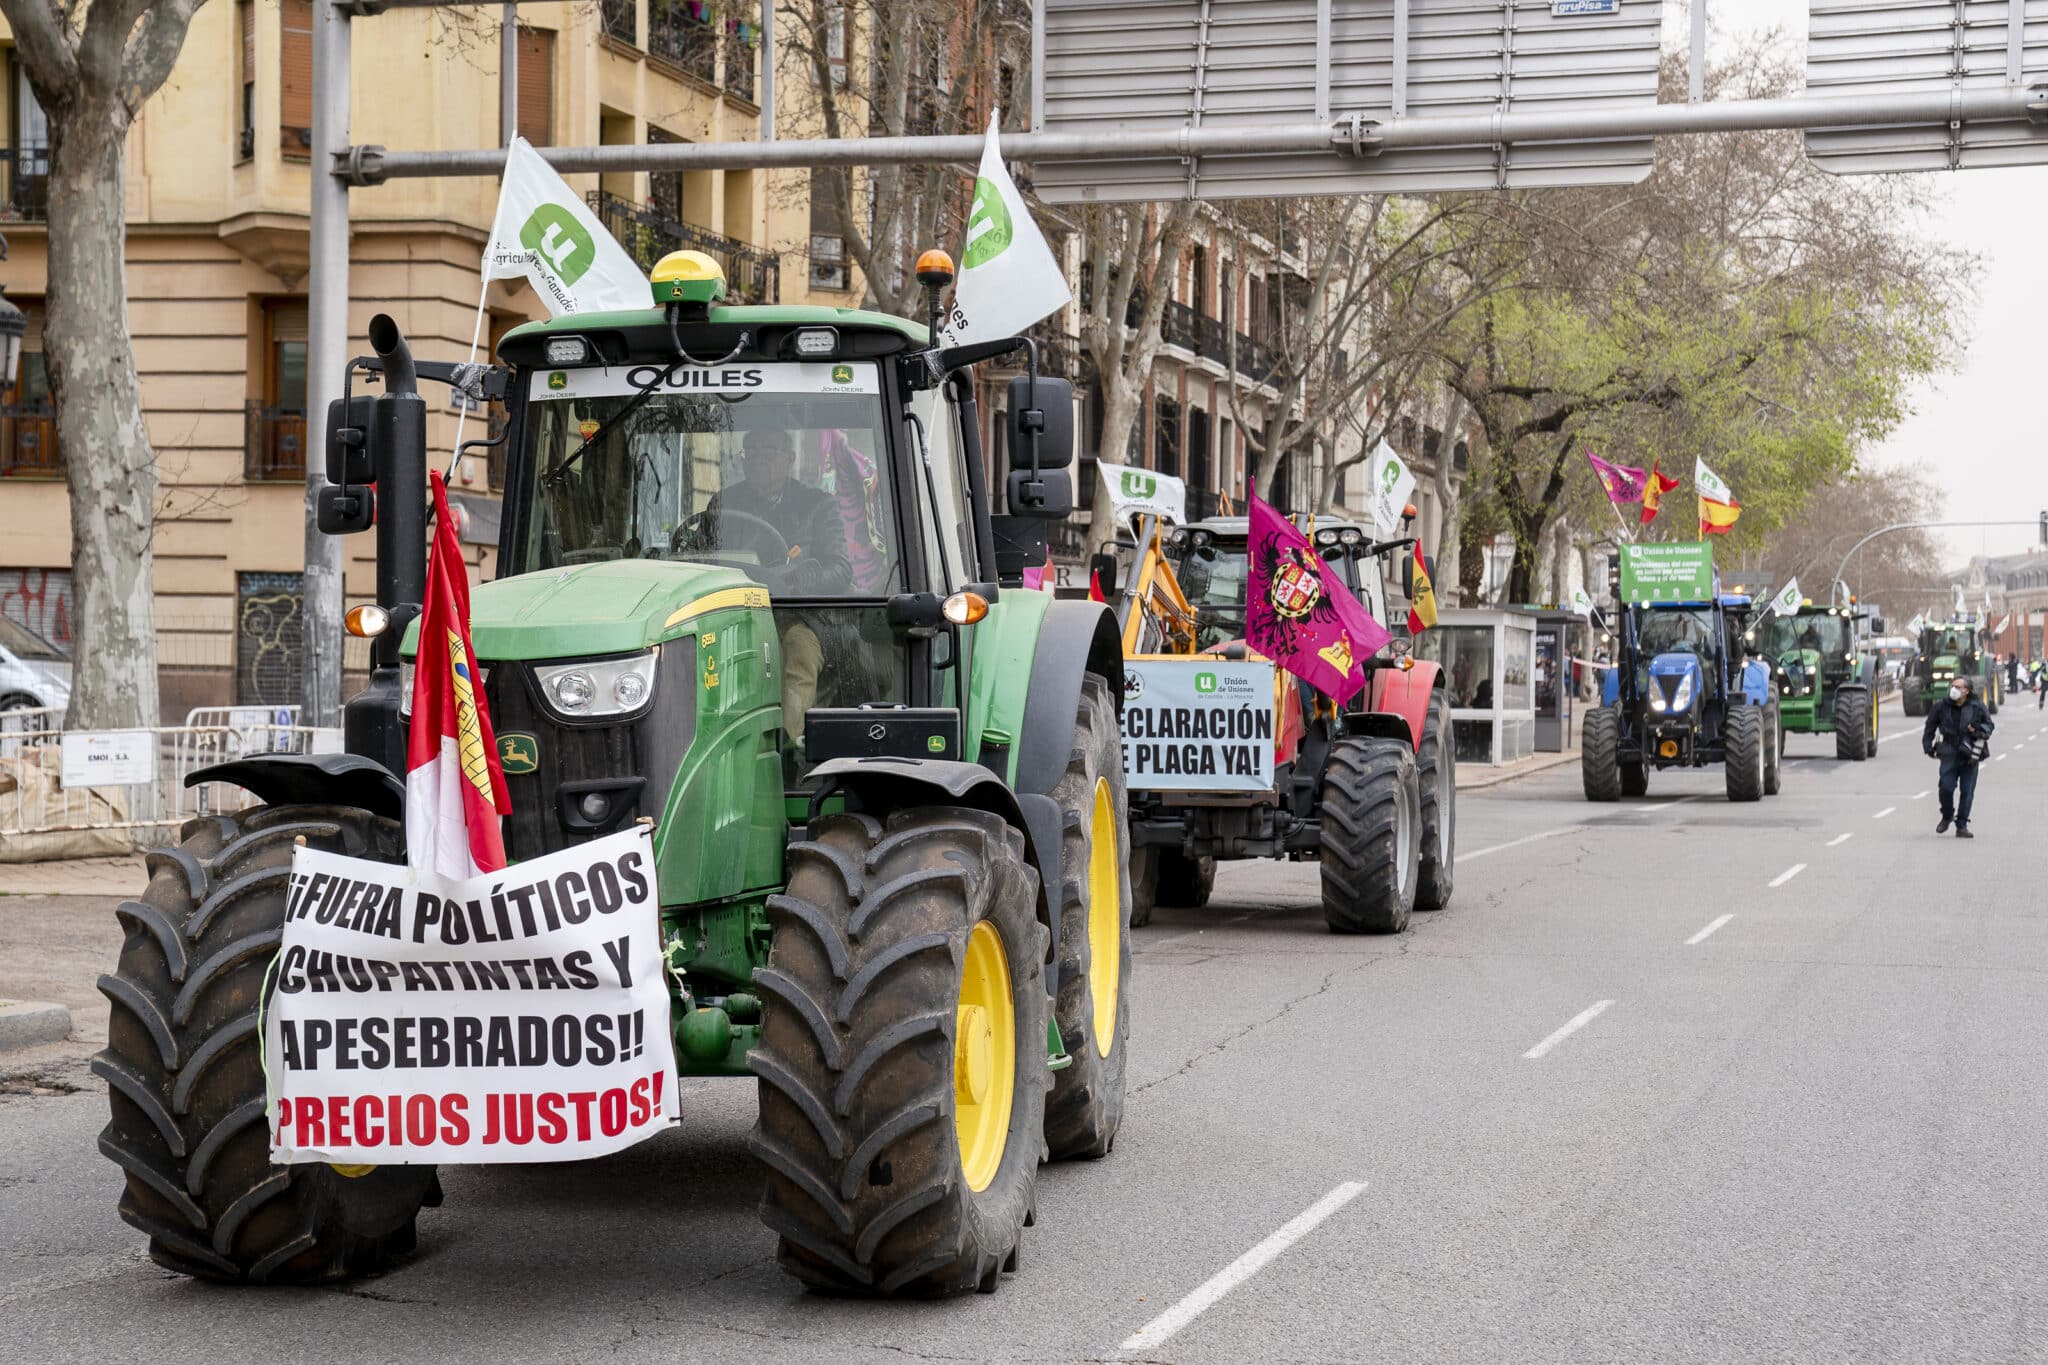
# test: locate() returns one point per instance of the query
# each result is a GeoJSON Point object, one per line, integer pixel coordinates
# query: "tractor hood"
{"type": "Point", "coordinates": [1802, 671]}
{"type": "Point", "coordinates": [1675, 683]}
{"type": "Point", "coordinates": [614, 606]}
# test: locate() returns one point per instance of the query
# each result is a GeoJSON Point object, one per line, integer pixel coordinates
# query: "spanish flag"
{"type": "Point", "coordinates": [1422, 600]}
{"type": "Point", "coordinates": [1659, 484]}
{"type": "Point", "coordinates": [1718, 507]}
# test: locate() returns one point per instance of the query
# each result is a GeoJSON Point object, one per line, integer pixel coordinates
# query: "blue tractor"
{"type": "Point", "coordinates": [1683, 693]}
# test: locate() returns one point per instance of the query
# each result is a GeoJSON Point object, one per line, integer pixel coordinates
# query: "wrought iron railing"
{"type": "Point", "coordinates": [751, 274]}
{"type": "Point", "coordinates": [622, 21]}
{"type": "Point", "coordinates": [273, 444]}
{"type": "Point", "coordinates": [28, 441]}
{"type": "Point", "coordinates": [676, 35]}
{"type": "Point", "coordinates": [1210, 338]}
{"type": "Point", "coordinates": [27, 199]}
{"type": "Point", "coordinates": [739, 67]}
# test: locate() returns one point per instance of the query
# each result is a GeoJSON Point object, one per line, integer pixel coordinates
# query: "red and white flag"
{"type": "Point", "coordinates": [454, 786]}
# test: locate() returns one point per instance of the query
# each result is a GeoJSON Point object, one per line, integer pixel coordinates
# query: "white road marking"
{"type": "Point", "coordinates": [1845, 838]}
{"type": "Point", "coordinates": [1702, 934]}
{"type": "Point", "coordinates": [2000, 759]}
{"type": "Point", "coordinates": [1788, 874]}
{"type": "Point", "coordinates": [1667, 805]}
{"type": "Point", "coordinates": [1156, 1332]}
{"type": "Point", "coordinates": [1514, 843]}
{"type": "Point", "coordinates": [1922, 796]}
{"type": "Point", "coordinates": [1579, 1021]}
{"type": "Point", "coordinates": [1886, 811]}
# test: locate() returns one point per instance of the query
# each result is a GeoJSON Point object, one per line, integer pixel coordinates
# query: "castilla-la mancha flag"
{"type": "Point", "coordinates": [454, 787]}
{"type": "Point", "coordinates": [1300, 615]}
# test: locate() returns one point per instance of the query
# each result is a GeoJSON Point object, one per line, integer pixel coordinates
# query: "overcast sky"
{"type": "Point", "coordinates": [1978, 428]}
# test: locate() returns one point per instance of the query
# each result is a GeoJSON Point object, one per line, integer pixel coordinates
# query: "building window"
{"type": "Point", "coordinates": [245, 126]}
{"type": "Point", "coordinates": [295, 79]}
{"type": "Point", "coordinates": [664, 188]}
{"type": "Point", "coordinates": [838, 39]}
{"type": "Point", "coordinates": [274, 438]}
{"type": "Point", "coordinates": [270, 638]}
{"type": "Point", "coordinates": [28, 420]}
{"type": "Point", "coordinates": [739, 67]}
{"type": "Point", "coordinates": [1166, 436]}
{"type": "Point", "coordinates": [622, 21]}
{"type": "Point", "coordinates": [828, 241]}
{"type": "Point", "coordinates": [537, 85]}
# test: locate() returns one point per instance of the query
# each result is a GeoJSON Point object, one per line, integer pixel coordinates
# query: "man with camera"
{"type": "Point", "coordinates": [1958, 732]}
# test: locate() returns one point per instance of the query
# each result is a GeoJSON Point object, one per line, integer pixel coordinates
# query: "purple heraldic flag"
{"type": "Point", "coordinates": [1300, 615]}
{"type": "Point", "coordinates": [1622, 482]}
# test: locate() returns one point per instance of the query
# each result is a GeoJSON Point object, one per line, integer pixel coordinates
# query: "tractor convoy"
{"type": "Point", "coordinates": [1945, 652]}
{"type": "Point", "coordinates": [1826, 677]}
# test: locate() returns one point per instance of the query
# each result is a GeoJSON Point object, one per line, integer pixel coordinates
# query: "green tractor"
{"type": "Point", "coordinates": [1826, 682]}
{"type": "Point", "coordinates": [748, 593]}
{"type": "Point", "coordinates": [1945, 653]}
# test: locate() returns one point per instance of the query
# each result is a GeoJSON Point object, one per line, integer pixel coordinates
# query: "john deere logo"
{"type": "Point", "coordinates": [558, 380]}
{"type": "Point", "coordinates": [842, 374]}
{"type": "Point", "coordinates": [1205, 683]}
{"type": "Point", "coordinates": [988, 226]}
{"type": "Point", "coordinates": [518, 753]}
{"type": "Point", "coordinates": [935, 744]}
{"type": "Point", "coordinates": [1139, 484]}
{"type": "Point", "coordinates": [553, 234]}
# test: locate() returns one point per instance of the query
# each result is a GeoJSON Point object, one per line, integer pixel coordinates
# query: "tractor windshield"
{"type": "Point", "coordinates": [775, 469]}
{"type": "Point", "coordinates": [1214, 577]}
{"type": "Point", "coordinates": [1676, 632]}
{"type": "Point", "coordinates": [1826, 635]}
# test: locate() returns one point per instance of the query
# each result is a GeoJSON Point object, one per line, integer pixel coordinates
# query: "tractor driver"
{"type": "Point", "coordinates": [813, 551]}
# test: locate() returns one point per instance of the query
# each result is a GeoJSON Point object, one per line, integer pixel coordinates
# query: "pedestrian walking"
{"type": "Point", "coordinates": [1958, 732]}
{"type": "Point", "coordinates": [2012, 671]}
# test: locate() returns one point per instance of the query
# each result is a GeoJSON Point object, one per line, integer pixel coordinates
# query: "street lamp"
{"type": "Point", "coordinates": [13, 328]}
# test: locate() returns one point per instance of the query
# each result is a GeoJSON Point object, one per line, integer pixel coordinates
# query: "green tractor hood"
{"type": "Point", "coordinates": [614, 606]}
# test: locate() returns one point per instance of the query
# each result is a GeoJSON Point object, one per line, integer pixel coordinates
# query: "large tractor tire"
{"type": "Point", "coordinates": [1436, 764]}
{"type": "Point", "coordinates": [1774, 750]}
{"type": "Point", "coordinates": [1635, 779]}
{"type": "Point", "coordinates": [1092, 1004]}
{"type": "Point", "coordinates": [1599, 739]}
{"type": "Point", "coordinates": [1911, 700]}
{"type": "Point", "coordinates": [1989, 689]}
{"type": "Point", "coordinates": [1852, 724]}
{"type": "Point", "coordinates": [184, 1069]}
{"type": "Point", "coordinates": [902, 1060]}
{"type": "Point", "coordinates": [1743, 753]}
{"type": "Point", "coordinates": [1144, 884]}
{"type": "Point", "coordinates": [1183, 881]}
{"type": "Point", "coordinates": [1371, 831]}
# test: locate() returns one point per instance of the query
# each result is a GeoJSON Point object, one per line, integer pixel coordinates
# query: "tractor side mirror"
{"type": "Point", "coordinates": [1048, 495]}
{"type": "Point", "coordinates": [351, 433]}
{"type": "Point", "coordinates": [1043, 422]}
{"type": "Point", "coordinates": [1877, 625]}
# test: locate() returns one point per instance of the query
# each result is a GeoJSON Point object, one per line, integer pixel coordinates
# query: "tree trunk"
{"type": "Point", "coordinates": [1120, 403]}
{"type": "Point", "coordinates": [109, 466]}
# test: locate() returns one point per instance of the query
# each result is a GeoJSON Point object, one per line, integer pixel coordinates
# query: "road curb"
{"type": "Point", "coordinates": [1494, 777]}
{"type": "Point", "coordinates": [25, 1023]}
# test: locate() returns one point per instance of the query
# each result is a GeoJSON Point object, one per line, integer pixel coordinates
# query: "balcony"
{"type": "Point", "coordinates": [273, 444]}
{"type": "Point", "coordinates": [648, 233]}
{"type": "Point", "coordinates": [1210, 338]}
{"type": "Point", "coordinates": [679, 35]}
{"type": "Point", "coordinates": [27, 175]}
{"type": "Point", "coordinates": [28, 441]}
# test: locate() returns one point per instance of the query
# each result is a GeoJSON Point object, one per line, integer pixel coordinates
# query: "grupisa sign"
{"type": "Point", "coordinates": [1198, 725]}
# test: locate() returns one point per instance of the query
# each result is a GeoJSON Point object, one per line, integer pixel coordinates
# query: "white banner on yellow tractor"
{"type": "Point", "coordinates": [520, 1016]}
{"type": "Point", "coordinates": [1198, 725]}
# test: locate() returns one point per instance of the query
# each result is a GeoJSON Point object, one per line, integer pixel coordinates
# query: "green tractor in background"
{"type": "Point", "coordinates": [749, 592]}
{"type": "Point", "coordinates": [1826, 682]}
{"type": "Point", "coordinates": [1945, 653]}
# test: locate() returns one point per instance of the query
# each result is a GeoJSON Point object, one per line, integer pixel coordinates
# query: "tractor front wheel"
{"type": "Point", "coordinates": [1436, 763]}
{"type": "Point", "coordinates": [902, 1061]}
{"type": "Point", "coordinates": [1599, 741]}
{"type": "Point", "coordinates": [1371, 832]}
{"type": "Point", "coordinates": [1852, 724]}
{"type": "Point", "coordinates": [1912, 701]}
{"type": "Point", "coordinates": [1743, 753]}
{"type": "Point", "coordinates": [1145, 860]}
{"type": "Point", "coordinates": [1183, 881]}
{"type": "Point", "coordinates": [183, 1065]}
{"type": "Point", "coordinates": [1092, 1003]}
{"type": "Point", "coordinates": [1870, 748]}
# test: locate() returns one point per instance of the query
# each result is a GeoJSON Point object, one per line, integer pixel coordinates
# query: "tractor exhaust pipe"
{"type": "Point", "coordinates": [389, 343]}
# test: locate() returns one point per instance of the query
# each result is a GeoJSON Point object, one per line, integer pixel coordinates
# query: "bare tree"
{"type": "Point", "coordinates": [92, 65]}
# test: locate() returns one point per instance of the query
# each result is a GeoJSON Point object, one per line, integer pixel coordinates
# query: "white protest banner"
{"type": "Point", "coordinates": [1392, 484]}
{"type": "Point", "coordinates": [1008, 277]}
{"type": "Point", "coordinates": [1917, 624]}
{"type": "Point", "coordinates": [543, 232]}
{"type": "Point", "coordinates": [1140, 492]}
{"type": "Point", "coordinates": [1198, 725]}
{"type": "Point", "coordinates": [107, 758]}
{"type": "Point", "coordinates": [520, 1016]}
{"type": "Point", "coordinates": [2003, 622]}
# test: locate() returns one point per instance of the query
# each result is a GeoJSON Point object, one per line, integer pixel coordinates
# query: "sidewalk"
{"type": "Point", "coordinates": [1477, 777]}
{"type": "Point", "coordinates": [123, 877]}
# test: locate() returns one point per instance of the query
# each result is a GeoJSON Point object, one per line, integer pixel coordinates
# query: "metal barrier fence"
{"type": "Point", "coordinates": [43, 816]}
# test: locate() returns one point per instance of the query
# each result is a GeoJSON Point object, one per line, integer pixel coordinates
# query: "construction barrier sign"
{"type": "Point", "coordinates": [1198, 725]}
{"type": "Point", "coordinates": [518, 1016]}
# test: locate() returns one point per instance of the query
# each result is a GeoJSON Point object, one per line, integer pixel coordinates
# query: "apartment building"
{"type": "Point", "coordinates": [217, 185]}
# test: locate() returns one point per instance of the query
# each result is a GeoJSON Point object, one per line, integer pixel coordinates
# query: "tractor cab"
{"type": "Point", "coordinates": [1810, 653]}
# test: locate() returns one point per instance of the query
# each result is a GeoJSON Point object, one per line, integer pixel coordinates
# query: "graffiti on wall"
{"type": "Point", "coordinates": [39, 599]}
{"type": "Point", "coordinates": [270, 638]}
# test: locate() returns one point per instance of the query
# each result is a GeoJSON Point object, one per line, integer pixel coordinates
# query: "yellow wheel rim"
{"type": "Point", "coordinates": [984, 1057]}
{"type": "Point", "coordinates": [1105, 918]}
{"type": "Point", "coordinates": [352, 1172]}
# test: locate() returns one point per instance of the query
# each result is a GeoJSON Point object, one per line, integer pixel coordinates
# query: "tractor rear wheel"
{"type": "Point", "coordinates": [1436, 763]}
{"type": "Point", "coordinates": [1371, 830]}
{"type": "Point", "coordinates": [1092, 1004]}
{"type": "Point", "coordinates": [1183, 881]}
{"type": "Point", "coordinates": [1599, 739]}
{"type": "Point", "coordinates": [1774, 750]}
{"type": "Point", "coordinates": [1852, 724]}
{"type": "Point", "coordinates": [184, 1067]}
{"type": "Point", "coordinates": [1987, 688]}
{"type": "Point", "coordinates": [902, 1060]}
{"type": "Point", "coordinates": [1911, 700]}
{"type": "Point", "coordinates": [1144, 883]}
{"type": "Point", "coordinates": [1743, 753]}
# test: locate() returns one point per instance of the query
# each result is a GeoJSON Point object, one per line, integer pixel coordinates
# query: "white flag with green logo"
{"type": "Point", "coordinates": [1711, 485]}
{"type": "Point", "coordinates": [1142, 492]}
{"type": "Point", "coordinates": [1786, 603]}
{"type": "Point", "coordinates": [1392, 482]}
{"type": "Point", "coordinates": [1582, 604]}
{"type": "Point", "coordinates": [544, 233]}
{"type": "Point", "coordinates": [1008, 277]}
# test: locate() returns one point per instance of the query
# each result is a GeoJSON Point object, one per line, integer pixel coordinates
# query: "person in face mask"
{"type": "Point", "coordinates": [1958, 733]}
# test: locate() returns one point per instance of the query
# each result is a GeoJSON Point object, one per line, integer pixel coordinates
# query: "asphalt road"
{"type": "Point", "coordinates": [1801, 1116]}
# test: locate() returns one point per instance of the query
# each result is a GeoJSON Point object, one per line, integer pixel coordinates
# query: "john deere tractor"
{"type": "Point", "coordinates": [1682, 694]}
{"type": "Point", "coordinates": [1945, 653]}
{"type": "Point", "coordinates": [748, 593]}
{"type": "Point", "coordinates": [1825, 682]}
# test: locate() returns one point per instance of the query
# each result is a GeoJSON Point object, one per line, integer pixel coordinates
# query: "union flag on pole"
{"type": "Point", "coordinates": [454, 787]}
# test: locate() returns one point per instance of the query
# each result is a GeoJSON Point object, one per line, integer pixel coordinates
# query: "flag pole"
{"type": "Point", "coordinates": [476, 334]}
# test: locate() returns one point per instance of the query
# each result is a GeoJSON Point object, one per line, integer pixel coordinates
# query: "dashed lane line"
{"type": "Point", "coordinates": [1787, 875]}
{"type": "Point", "coordinates": [1886, 811]}
{"type": "Point", "coordinates": [1701, 936]}
{"type": "Point", "coordinates": [1156, 1333]}
{"type": "Point", "coordinates": [1840, 839]}
{"type": "Point", "coordinates": [1578, 1021]}
{"type": "Point", "coordinates": [2001, 758]}
{"type": "Point", "coordinates": [1922, 796]}
{"type": "Point", "coordinates": [1516, 843]}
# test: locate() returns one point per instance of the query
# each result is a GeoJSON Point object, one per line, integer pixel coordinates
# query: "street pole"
{"type": "Point", "coordinates": [1842, 572]}
{"type": "Point", "coordinates": [326, 354]}
{"type": "Point", "coordinates": [508, 76]}
{"type": "Point", "coordinates": [767, 82]}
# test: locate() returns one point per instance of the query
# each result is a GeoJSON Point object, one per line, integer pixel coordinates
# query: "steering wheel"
{"type": "Point", "coordinates": [695, 534]}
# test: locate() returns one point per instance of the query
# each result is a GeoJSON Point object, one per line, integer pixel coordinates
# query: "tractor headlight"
{"type": "Point", "coordinates": [599, 687]}
{"type": "Point", "coordinates": [405, 687]}
{"type": "Point", "coordinates": [1656, 702]}
{"type": "Point", "coordinates": [1681, 700]}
